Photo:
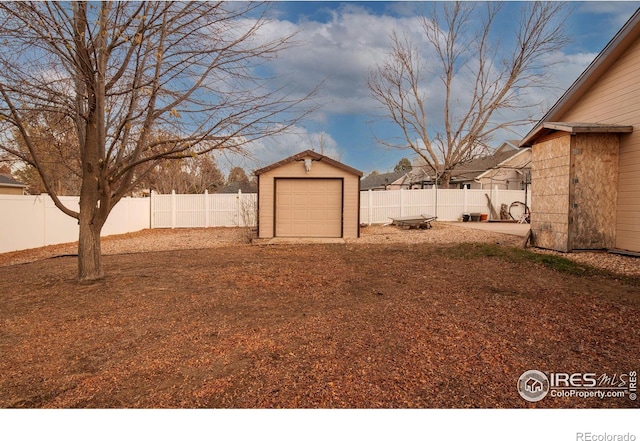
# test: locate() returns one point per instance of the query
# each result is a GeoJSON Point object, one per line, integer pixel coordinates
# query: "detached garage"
{"type": "Point", "coordinates": [308, 195]}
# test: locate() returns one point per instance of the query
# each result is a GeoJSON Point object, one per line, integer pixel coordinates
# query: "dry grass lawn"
{"type": "Point", "coordinates": [341, 326]}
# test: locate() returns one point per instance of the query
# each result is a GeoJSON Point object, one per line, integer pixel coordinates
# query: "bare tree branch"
{"type": "Point", "coordinates": [140, 83]}
{"type": "Point", "coordinates": [483, 79]}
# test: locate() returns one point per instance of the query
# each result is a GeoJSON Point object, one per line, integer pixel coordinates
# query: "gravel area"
{"type": "Point", "coordinates": [442, 233]}
{"type": "Point", "coordinates": [616, 263]}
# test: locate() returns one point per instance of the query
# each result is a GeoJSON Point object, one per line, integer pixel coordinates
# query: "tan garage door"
{"type": "Point", "coordinates": [308, 208]}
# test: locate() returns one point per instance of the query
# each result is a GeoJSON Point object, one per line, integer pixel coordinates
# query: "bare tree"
{"type": "Point", "coordinates": [191, 175]}
{"type": "Point", "coordinates": [53, 142]}
{"type": "Point", "coordinates": [5, 166]}
{"type": "Point", "coordinates": [403, 165]}
{"type": "Point", "coordinates": [205, 175]}
{"type": "Point", "coordinates": [123, 75]}
{"type": "Point", "coordinates": [237, 174]}
{"type": "Point", "coordinates": [485, 82]}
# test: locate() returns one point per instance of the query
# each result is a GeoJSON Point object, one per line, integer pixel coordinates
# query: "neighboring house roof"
{"type": "Point", "coordinates": [6, 181]}
{"type": "Point", "coordinates": [508, 145]}
{"type": "Point", "coordinates": [315, 156]}
{"type": "Point", "coordinates": [381, 180]}
{"type": "Point", "coordinates": [508, 163]}
{"type": "Point", "coordinates": [467, 171]}
{"type": "Point", "coordinates": [609, 55]}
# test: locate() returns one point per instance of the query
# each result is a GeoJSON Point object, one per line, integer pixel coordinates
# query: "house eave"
{"type": "Point", "coordinates": [547, 128]}
{"type": "Point", "coordinates": [618, 44]}
{"type": "Point", "coordinates": [587, 128]}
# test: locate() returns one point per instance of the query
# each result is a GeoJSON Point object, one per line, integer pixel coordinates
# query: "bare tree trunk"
{"type": "Point", "coordinates": [89, 251]}
{"type": "Point", "coordinates": [444, 180]}
{"type": "Point", "coordinates": [91, 217]}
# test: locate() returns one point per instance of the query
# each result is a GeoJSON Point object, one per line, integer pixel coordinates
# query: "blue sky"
{"type": "Point", "coordinates": [341, 41]}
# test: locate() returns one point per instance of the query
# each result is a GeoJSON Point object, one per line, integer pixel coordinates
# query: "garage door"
{"type": "Point", "coordinates": [308, 208]}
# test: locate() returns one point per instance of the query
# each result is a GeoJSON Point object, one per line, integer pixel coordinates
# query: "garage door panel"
{"type": "Point", "coordinates": [300, 199]}
{"type": "Point", "coordinates": [300, 216]}
{"type": "Point", "coordinates": [308, 208]}
{"type": "Point", "coordinates": [286, 199]}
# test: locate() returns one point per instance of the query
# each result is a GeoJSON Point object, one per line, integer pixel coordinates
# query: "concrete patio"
{"type": "Point", "coordinates": [512, 228]}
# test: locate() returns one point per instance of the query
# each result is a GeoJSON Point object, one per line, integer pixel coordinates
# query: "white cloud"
{"type": "Point", "coordinates": [266, 151]}
{"type": "Point", "coordinates": [338, 54]}
{"type": "Point", "coordinates": [340, 51]}
{"type": "Point", "coordinates": [618, 12]}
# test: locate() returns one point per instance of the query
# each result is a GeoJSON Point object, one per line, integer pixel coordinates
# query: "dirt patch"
{"type": "Point", "coordinates": [361, 325]}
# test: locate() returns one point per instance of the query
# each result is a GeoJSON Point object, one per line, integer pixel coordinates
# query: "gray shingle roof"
{"type": "Point", "coordinates": [466, 171]}
{"type": "Point", "coordinates": [380, 180]}
{"type": "Point", "coordinates": [6, 181]}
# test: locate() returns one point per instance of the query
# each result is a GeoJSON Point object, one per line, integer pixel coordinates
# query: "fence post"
{"type": "Point", "coordinates": [465, 205]}
{"type": "Point", "coordinates": [370, 206]}
{"type": "Point", "coordinates": [435, 199]}
{"type": "Point", "coordinates": [173, 208]}
{"type": "Point", "coordinates": [239, 209]}
{"type": "Point", "coordinates": [44, 219]}
{"type": "Point", "coordinates": [206, 208]}
{"type": "Point", "coordinates": [402, 210]}
{"type": "Point", "coordinates": [151, 211]}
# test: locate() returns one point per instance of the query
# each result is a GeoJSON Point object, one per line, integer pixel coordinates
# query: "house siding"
{"type": "Point", "coordinates": [615, 99]}
{"type": "Point", "coordinates": [12, 190]}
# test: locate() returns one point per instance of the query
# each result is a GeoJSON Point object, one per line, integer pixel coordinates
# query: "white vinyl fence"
{"type": "Point", "coordinates": [203, 210]}
{"type": "Point", "coordinates": [448, 205]}
{"type": "Point", "coordinates": [376, 207]}
{"type": "Point", "coordinates": [34, 221]}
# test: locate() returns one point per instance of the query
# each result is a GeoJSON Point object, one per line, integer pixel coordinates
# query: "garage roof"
{"type": "Point", "coordinates": [315, 156]}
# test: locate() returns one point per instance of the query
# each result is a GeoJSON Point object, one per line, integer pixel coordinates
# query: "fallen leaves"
{"type": "Point", "coordinates": [371, 326]}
